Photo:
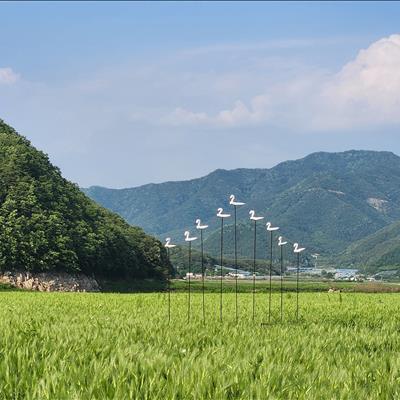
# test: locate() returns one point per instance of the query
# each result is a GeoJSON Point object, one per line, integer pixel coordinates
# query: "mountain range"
{"type": "Point", "coordinates": [336, 204]}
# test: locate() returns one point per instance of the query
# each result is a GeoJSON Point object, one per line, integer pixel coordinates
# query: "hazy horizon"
{"type": "Point", "coordinates": [233, 169]}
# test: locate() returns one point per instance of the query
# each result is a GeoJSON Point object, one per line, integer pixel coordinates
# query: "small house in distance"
{"type": "Point", "coordinates": [192, 275]}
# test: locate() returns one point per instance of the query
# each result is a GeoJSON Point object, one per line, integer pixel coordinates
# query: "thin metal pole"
{"type": "Point", "coordinates": [281, 283]}
{"type": "Point", "coordinates": [221, 260]}
{"type": "Point", "coordinates": [202, 273]}
{"type": "Point", "coordinates": [254, 269]}
{"type": "Point", "coordinates": [297, 287]}
{"type": "Point", "coordinates": [169, 291]}
{"type": "Point", "coordinates": [270, 280]}
{"type": "Point", "coordinates": [236, 270]}
{"type": "Point", "coordinates": [190, 262]}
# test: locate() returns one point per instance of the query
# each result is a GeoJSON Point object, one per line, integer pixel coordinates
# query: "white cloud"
{"type": "Point", "coordinates": [181, 116]}
{"type": "Point", "coordinates": [239, 114]}
{"type": "Point", "coordinates": [173, 105]}
{"type": "Point", "coordinates": [365, 92]}
{"type": "Point", "coordinates": [8, 76]}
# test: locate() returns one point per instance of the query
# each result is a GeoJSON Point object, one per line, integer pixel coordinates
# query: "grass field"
{"type": "Point", "coordinates": [120, 346]}
{"type": "Point", "coordinates": [246, 286]}
{"type": "Point", "coordinates": [289, 284]}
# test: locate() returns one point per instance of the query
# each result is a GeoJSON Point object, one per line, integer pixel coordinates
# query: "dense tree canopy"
{"type": "Point", "coordinates": [47, 223]}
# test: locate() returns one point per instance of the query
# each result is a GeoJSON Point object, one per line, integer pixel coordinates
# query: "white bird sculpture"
{"type": "Point", "coordinates": [199, 225]}
{"type": "Point", "coordinates": [253, 216]}
{"type": "Point", "coordinates": [315, 255]}
{"type": "Point", "coordinates": [233, 202]}
{"type": "Point", "coordinates": [168, 243]}
{"type": "Point", "coordinates": [188, 238]}
{"type": "Point", "coordinates": [271, 228]}
{"type": "Point", "coordinates": [220, 213]}
{"type": "Point", "coordinates": [298, 249]}
{"type": "Point", "coordinates": [280, 241]}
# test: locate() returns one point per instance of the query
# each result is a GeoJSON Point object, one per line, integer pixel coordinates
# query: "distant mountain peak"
{"type": "Point", "coordinates": [325, 200]}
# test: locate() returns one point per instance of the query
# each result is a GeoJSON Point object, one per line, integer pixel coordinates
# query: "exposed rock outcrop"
{"type": "Point", "coordinates": [379, 204]}
{"type": "Point", "coordinates": [50, 281]}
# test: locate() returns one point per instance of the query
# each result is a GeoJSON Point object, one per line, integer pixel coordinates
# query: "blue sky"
{"type": "Point", "coordinates": [122, 94]}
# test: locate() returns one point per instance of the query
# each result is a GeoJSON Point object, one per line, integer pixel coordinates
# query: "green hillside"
{"type": "Point", "coordinates": [47, 223]}
{"type": "Point", "coordinates": [325, 201]}
{"type": "Point", "coordinates": [380, 250]}
{"type": "Point", "coordinates": [179, 258]}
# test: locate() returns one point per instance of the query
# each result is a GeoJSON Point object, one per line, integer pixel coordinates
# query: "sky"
{"type": "Point", "coordinates": [122, 94]}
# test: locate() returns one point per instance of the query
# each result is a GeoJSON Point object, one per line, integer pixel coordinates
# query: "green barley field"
{"type": "Point", "coordinates": [120, 346]}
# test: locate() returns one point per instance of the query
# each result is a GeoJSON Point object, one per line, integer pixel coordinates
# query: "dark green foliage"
{"type": "Point", "coordinates": [379, 251]}
{"type": "Point", "coordinates": [47, 223]}
{"type": "Point", "coordinates": [180, 260]}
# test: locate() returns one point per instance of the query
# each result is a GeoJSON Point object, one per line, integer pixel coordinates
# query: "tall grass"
{"type": "Point", "coordinates": [110, 346]}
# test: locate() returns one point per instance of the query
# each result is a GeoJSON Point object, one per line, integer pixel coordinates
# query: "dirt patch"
{"type": "Point", "coordinates": [50, 281]}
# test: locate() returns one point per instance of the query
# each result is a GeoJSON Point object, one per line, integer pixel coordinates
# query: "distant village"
{"type": "Point", "coordinates": [338, 274]}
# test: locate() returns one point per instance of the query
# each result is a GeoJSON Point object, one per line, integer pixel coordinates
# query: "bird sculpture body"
{"type": "Point", "coordinates": [253, 217]}
{"type": "Point", "coordinates": [188, 238]}
{"type": "Point", "coordinates": [271, 228]}
{"type": "Point", "coordinates": [281, 242]}
{"type": "Point", "coordinates": [168, 243]}
{"type": "Point", "coordinates": [199, 225]}
{"type": "Point", "coordinates": [233, 202]}
{"type": "Point", "coordinates": [298, 249]}
{"type": "Point", "coordinates": [220, 213]}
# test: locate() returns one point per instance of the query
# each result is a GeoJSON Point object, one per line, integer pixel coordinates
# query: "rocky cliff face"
{"type": "Point", "coordinates": [50, 281]}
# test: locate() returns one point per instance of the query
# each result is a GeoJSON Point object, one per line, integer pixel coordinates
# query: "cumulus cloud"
{"type": "Point", "coordinates": [367, 89]}
{"type": "Point", "coordinates": [8, 76]}
{"type": "Point", "coordinates": [273, 98]}
{"type": "Point", "coordinates": [364, 92]}
{"type": "Point", "coordinates": [239, 114]}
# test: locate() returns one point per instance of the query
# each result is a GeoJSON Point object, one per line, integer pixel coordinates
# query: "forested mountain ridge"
{"type": "Point", "coordinates": [47, 223]}
{"type": "Point", "coordinates": [326, 201]}
{"type": "Point", "coordinates": [378, 251]}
